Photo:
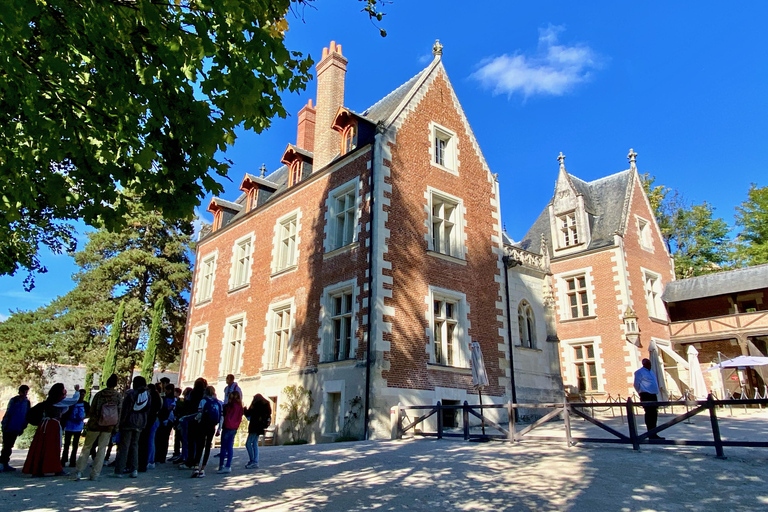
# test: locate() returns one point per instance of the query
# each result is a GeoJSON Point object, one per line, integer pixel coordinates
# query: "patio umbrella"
{"type": "Point", "coordinates": [696, 377]}
{"type": "Point", "coordinates": [479, 375]}
{"type": "Point", "coordinates": [658, 370]}
{"type": "Point", "coordinates": [741, 362]}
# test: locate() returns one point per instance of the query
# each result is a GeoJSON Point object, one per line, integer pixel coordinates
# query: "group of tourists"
{"type": "Point", "coordinates": [139, 422]}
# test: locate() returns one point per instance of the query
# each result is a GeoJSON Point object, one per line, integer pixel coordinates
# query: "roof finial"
{"type": "Point", "coordinates": [437, 48]}
{"type": "Point", "coordinates": [561, 159]}
{"type": "Point", "coordinates": [263, 170]}
{"type": "Point", "coordinates": [632, 156]}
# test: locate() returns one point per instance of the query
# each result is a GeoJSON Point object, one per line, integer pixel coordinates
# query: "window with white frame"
{"type": "Point", "coordinates": [196, 353]}
{"type": "Point", "coordinates": [207, 274]}
{"type": "Point", "coordinates": [644, 227]}
{"type": "Point", "coordinates": [341, 325]}
{"type": "Point", "coordinates": [445, 329]}
{"type": "Point", "coordinates": [233, 347]}
{"type": "Point", "coordinates": [286, 243]}
{"type": "Point", "coordinates": [526, 325]}
{"type": "Point", "coordinates": [445, 225]}
{"type": "Point", "coordinates": [577, 296]}
{"type": "Point", "coordinates": [585, 367]}
{"type": "Point", "coordinates": [569, 233]}
{"type": "Point", "coordinates": [280, 336]}
{"type": "Point", "coordinates": [343, 215]}
{"type": "Point", "coordinates": [242, 262]}
{"type": "Point", "coordinates": [333, 413]}
{"type": "Point", "coordinates": [443, 148]}
{"type": "Point", "coordinates": [653, 289]}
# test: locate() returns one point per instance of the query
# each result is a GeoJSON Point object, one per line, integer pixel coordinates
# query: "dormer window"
{"type": "Point", "coordinates": [252, 199]}
{"type": "Point", "coordinates": [297, 167]}
{"type": "Point", "coordinates": [569, 233]}
{"type": "Point", "coordinates": [217, 219]}
{"type": "Point", "coordinates": [349, 138]}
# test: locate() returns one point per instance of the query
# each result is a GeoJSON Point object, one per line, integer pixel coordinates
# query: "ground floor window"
{"type": "Point", "coordinates": [586, 367]}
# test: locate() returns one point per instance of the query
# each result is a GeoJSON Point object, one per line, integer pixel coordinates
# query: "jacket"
{"type": "Point", "coordinates": [75, 418]}
{"type": "Point", "coordinates": [260, 415]}
{"type": "Point", "coordinates": [15, 419]}
{"type": "Point", "coordinates": [233, 415]}
{"type": "Point", "coordinates": [105, 396]}
{"type": "Point", "coordinates": [136, 406]}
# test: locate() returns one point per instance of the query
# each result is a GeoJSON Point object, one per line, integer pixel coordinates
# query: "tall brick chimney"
{"type": "Point", "coordinates": [331, 71]}
{"type": "Point", "coordinates": [305, 136]}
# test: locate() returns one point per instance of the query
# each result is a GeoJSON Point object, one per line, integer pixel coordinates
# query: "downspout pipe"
{"type": "Point", "coordinates": [508, 262]}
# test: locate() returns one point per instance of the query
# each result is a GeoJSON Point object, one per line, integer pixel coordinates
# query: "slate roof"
{"type": "Point", "coordinates": [606, 201]}
{"type": "Point", "coordinates": [722, 283]}
{"type": "Point", "coordinates": [382, 109]}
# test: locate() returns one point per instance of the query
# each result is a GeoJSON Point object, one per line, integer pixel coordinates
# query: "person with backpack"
{"type": "Point", "coordinates": [14, 423]}
{"type": "Point", "coordinates": [102, 420]}
{"type": "Point", "coordinates": [147, 437]}
{"type": "Point", "coordinates": [233, 415]}
{"type": "Point", "coordinates": [189, 423]}
{"type": "Point", "coordinates": [73, 427]}
{"type": "Point", "coordinates": [44, 453]}
{"type": "Point", "coordinates": [133, 419]}
{"type": "Point", "coordinates": [165, 419]}
{"type": "Point", "coordinates": [259, 416]}
{"type": "Point", "coordinates": [208, 424]}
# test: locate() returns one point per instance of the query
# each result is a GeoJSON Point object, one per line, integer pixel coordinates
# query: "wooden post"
{"type": "Point", "coordinates": [567, 421]}
{"type": "Point", "coordinates": [715, 427]}
{"type": "Point", "coordinates": [511, 411]}
{"type": "Point", "coordinates": [632, 425]}
{"type": "Point", "coordinates": [439, 420]}
{"type": "Point", "coordinates": [465, 420]}
{"type": "Point", "coordinates": [394, 422]}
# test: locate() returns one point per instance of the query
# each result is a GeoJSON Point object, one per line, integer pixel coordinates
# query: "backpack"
{"type": "Point", "coordinates": [211, 411]}
{"type": "Point", "coordinates": [108, 416]}
{"type": "Point", "coordinates": [35, 414]}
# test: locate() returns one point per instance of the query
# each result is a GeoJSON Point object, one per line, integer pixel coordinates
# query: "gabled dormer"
{"type": "Point", "coordinates": [299, 162]}
{"type": "Point", "coordinates": [222, 211]}
{"type": "Point", "coordinates": [257, 189]}
{"type": "Point", "coordinates": [569, 219]}
{"type": "Point", "coordinates": [355, 130]}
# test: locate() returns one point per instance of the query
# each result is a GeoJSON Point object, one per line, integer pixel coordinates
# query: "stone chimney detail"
{"type": "Point", "coordinates": [305, 137]}
{"type": "Point", "coordinates": [331, 71]}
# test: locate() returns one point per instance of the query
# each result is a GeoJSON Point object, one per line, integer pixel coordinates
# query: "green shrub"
{"type": "Point", "coordinates": [24, 441]}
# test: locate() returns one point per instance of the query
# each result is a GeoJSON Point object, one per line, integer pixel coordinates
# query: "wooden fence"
{"type": "Point", "coordinates": [509, 431]}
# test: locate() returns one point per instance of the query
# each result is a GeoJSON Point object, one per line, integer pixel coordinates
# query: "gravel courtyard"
{"type": "Point", "coordinates": [437, 475]}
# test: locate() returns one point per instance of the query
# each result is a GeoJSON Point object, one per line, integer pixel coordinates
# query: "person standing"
{"type": "Point", "coordinates": [189, 422]}
{"type": "Point", "coordinates": [44, 455]}
{"type": "Point", "coordinates": [73, 428]}
{"type": "Point", "coordinates": [147, 438]}
{"type": "Point", "coordinates": [647, 387]}
{"type": "Point", "coordinates": [259, 416]}
{"type": "Point", "coordinates": [208, 421]}
{"type": "Point", "coordinates": [232, 387]}
{"type": "Point", "coordinates": [102, 420]}
{"type": "Point", "coordinates": [133, 419]}
{"type": "Point", "coordinates": [14, 423]}
{"type": "Point", "coordinates": [165, 419]}
{"type": "Point", "coordinates": [233, 415]}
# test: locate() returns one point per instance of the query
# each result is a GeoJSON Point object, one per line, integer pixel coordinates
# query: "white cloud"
{"type": "Point", "coordinates": [553, 69]}
{"type": "Point", "coordinates": [3, 317]}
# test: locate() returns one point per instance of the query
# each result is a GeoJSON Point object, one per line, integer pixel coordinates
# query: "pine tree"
{"type": "Point", "coordinates": [148, 365]}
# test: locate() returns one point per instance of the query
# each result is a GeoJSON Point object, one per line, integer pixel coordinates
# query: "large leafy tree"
{"type": "Point", "coordinates": [697, 240]}
{"type": "Point", "coordinates": [98, 96]}
{"type": "Point", "coordinates": [752, 218]}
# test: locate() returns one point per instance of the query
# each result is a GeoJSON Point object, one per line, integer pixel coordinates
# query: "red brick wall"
{"type": "Point", "coordinates": [413, 270]}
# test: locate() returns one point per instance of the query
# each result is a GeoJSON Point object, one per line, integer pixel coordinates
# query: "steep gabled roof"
{"type": "Point", "coordinates": [382, 109]}
{"type": "Point", "coordinates": [605, 200]}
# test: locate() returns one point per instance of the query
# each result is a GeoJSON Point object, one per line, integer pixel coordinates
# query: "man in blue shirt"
{"type": "Point", "coordinates": [231, 386]}
{"type": "Point", "coordinates": [14, 423]}
{"type": "Point", "coordinates": [648, 388]}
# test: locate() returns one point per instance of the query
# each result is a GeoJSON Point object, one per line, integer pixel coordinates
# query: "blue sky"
{"type": "Point", "coordinates": [683, 84]}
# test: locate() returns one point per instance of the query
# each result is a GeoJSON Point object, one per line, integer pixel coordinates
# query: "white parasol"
{"type": "Point", "coordinates": [740, 362]}
{"type": "Point", "coordinates": [658, 370]}
{"type": "Point", "coordinates": [696, 377]}
{"type": "Point", "coordinates": [479, 375]}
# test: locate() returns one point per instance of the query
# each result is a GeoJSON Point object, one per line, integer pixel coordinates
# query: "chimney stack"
{"type": "Point", "coordinates": [305, 136]}
{"type": "Point", "coordinates": [331, 71]}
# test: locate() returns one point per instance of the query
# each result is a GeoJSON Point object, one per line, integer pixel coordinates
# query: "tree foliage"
{"type": "Point", "coordinates": [110, 360]}
{"type": "Point", "coordinates": [752, 218]}
{"type": "Point", "coordinates": [138, 95]}
{"type": "Point", "coordinates": [297, 404]}
{"type": "Point", "coordinates": [148, 364]}
{"type": "Point", "coordinates": [29, 343]}
{"type": "Point", "coordinates": [696, 239]}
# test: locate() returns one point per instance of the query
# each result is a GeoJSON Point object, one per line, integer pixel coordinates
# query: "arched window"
{"type": "Point", "coordinates": [526, 324]}
{"type": "Point", "coordinates": [349, 138]}
{"type": "Point", "coordinates": [296, 169]}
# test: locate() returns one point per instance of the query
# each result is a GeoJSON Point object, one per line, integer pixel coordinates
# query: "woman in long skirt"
{"type": "Point", "coordinates": [44, 453]}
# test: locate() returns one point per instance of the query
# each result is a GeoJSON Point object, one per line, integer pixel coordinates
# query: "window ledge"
{"type": "Point", "coordinates": [282, 271]}
{"type": "Point", "coordinates": [567, 320]}
{"type": "Point", "coordinates": [444, 168]}
{"type": "Point", "coordinates": [451, 369]}
{"type": "Point", "coordinates": [275, 371]}
{"type": "Point", "coordinates": [662, 321]}
{"type": "Point", "coordinates": [570, 247]}
{"type": "Point", "coordinates": [446, 257]}
{"type": "Point", "coordinates": [203, 302]}
{"type": "Point", "coordinates": [529, 349]}
{"type": "Point", "coordinates": [341, 250]}
{"type": "Point", "coordinates": [338, 363]}
{"type": "Point", "coordinates": [239, 287]}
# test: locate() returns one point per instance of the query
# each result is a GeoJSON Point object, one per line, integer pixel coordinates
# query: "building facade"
{"type": "Point", "coordinates": [363, 266]}
{"type": "Point", "coordinates": [609, 266]}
